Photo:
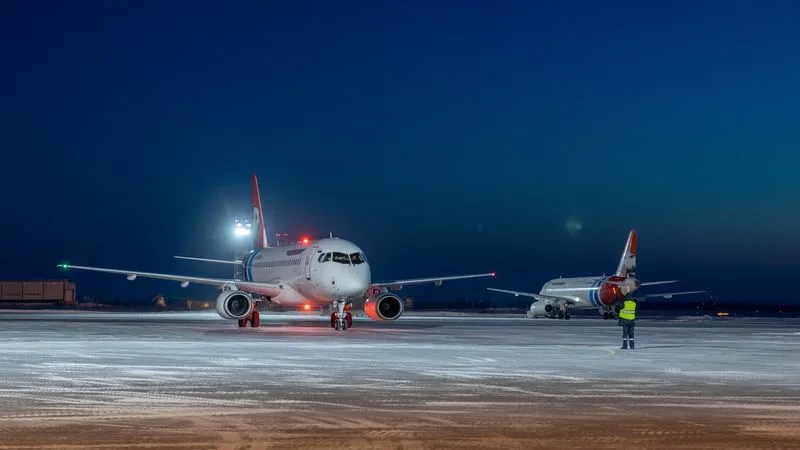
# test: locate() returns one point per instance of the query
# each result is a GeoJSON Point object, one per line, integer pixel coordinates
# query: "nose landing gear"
{"type": "Point", "coordinates": [341, 318]}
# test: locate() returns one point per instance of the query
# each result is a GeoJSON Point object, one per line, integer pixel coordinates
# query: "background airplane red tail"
{"type": "Point", "coordinates": [260, 238]}
{"type": "Point", "coordinates": [627, 263]}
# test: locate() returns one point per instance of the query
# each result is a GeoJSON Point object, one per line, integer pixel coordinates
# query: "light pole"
{"type": "Point", "coordinates": [242, 230]}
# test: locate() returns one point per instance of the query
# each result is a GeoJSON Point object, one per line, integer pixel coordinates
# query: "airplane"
{"type": "Point", "coordinates": [561, 295]}
{"type": "Point", "coordinates": [311, 272]}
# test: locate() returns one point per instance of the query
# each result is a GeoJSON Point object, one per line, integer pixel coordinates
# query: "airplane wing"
{"type": "Point", "coordinates": [538, 297]}
{"type": "Point", "coordinates": [220, 261]}
{"type": "Point", "coordinates": [266, 289]}
{"type": "Point", "coordinates": [398, 284]}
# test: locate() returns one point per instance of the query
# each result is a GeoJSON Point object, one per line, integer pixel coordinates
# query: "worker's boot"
{"type": "Point", "coordinates": [632, 344]}
{"type": "Point", "coordinates": [624, 344]}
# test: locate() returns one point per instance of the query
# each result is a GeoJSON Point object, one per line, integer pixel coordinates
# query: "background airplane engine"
{"type": "Point", "coordinates": [542, 309]}
{"type": "Point", "coordinates": [383, 306]}
{"type": "Point", "coordinates": [234, 305]}
{"type": "Point", "coordinates": [615, 291]}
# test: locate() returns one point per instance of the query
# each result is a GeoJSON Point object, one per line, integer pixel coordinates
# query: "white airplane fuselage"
{"type": "Point", "coordinates": [316, 273]}
{"type": "Point", "coordinates": [591, 292]}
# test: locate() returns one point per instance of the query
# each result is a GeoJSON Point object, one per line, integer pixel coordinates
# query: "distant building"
{"type": "Point", "coordinates": [37, 293]}
{"type": "Point", "coordinates": [281, 239]}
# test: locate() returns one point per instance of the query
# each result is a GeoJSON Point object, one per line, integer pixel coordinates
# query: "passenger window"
{"type": "Point", "coordinates": [341, 258]}
{"type": "Point", "coordinates": [325, 257]}
{"type": "Point", "coordinates": [357, 258]}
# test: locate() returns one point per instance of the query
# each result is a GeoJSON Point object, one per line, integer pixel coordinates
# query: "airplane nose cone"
{"type": "Point", "coordinates": [353, 283]}
{"type": "Point", "coordinates": [349, 289]}
{"type": "Point", "coordinates": [352, 286]}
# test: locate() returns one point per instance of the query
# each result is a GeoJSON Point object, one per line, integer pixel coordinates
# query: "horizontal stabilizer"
{"type": "Point", "coordinates": [653, 283]}
{"type": "Point", "coordinates": [219, 261]}
{"type": "Point", "coordinates": [670, 294]}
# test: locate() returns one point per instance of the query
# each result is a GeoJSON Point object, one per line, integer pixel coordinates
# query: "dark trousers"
{"type": "Point", "coordinates": [627, 331]}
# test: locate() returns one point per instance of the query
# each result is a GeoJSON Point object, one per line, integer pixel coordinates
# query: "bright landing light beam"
{"type": "Point", "coordinates": [241, 231]}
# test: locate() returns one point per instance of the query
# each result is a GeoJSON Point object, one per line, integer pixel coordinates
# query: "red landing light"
{"type": "Point", "coordinates": [307, 307]}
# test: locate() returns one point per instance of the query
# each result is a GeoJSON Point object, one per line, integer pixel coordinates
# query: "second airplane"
{"type": "Point", "coordinates": [561, 295]}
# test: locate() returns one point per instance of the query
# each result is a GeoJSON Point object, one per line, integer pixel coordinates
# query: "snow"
{"type": "Point", "coordinates": [56, 365]}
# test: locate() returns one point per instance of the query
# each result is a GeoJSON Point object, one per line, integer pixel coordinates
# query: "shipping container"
{"type": "Point", "coordinates": [46, 291]}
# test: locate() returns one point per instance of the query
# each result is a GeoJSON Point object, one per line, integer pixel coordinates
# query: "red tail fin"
{"type": "Point", "coordinates": [260, 238]}
{"type": "Point", "coordinates": [627, 263]}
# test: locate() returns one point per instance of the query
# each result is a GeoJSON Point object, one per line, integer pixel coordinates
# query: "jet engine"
{"type": "Point", "coordinates": [551, 310]}
{"type": "Point", "coordinates": [234, 305]}
{"type": "Point", "coordinates": [542, 309]}
{"type": "Point", "coordinates": [611, 292]}
{"type": "Point", "coordinates": [383, 306]}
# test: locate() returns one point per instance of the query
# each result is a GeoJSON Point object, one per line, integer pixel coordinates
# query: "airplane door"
{"type": "Point", "coordinates": [311, 254]}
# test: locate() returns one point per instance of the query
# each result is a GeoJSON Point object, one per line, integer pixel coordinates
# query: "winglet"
{"type": "Point", "coordinates": [260, 240]}
{"type": "Point", "coordinates": [627, 263]}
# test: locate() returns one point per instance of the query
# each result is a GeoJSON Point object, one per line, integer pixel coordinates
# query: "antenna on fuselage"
{"type": "Point", "coordinates": [331, 234]}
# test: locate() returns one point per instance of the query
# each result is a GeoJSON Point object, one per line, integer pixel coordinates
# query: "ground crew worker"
{"type": "Point", "coordinates": [627, 320]}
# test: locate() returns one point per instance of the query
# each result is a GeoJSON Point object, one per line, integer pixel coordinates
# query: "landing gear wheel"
{"type": "Point", "coordinates": [242, 323]}
{"type": "Point", "coordinates": [566, 316]}
{"type": "Point", "coordinates": [255, 319]}
{"type": "Point", "coordinates": [605, 315]}
{"type": "Point", "coordinates": [341, 318]}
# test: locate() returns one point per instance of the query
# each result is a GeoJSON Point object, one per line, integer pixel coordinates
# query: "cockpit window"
{"type": "Point", "coordinates": [341, 258]}
{"type": "Point", "coordinates": [357, 258]}
{"type": "Point", "coordinates": [325, 257]}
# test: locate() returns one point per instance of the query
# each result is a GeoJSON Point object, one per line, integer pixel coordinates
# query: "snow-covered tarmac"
{"type": "Point", "coordinates": [81, 367]}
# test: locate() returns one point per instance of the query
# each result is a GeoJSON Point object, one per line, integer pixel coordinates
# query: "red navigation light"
{"type": "Point", "coordinates": [307, 307]}
{"type": "Point", "coordinates": [491, 274]}
{"type": "Point", "coordinates": [305, 240]}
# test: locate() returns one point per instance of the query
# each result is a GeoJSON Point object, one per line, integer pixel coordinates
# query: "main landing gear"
{"type": "Point", "coordinates": [254, 318]}
{"type": "Point", "coordinates": [562, 314]}
{"type": "Point", "coordinates": [341, 318]}
{"type": "Point", "coordinates": [612, 314]}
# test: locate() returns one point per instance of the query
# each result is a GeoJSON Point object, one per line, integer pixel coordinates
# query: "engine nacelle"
{"type": "Point", "coordinates": [542, 309]}
{"type": "Point", "coordinates": [234, 305]}
{"type": "Point", "coordinates": [384, 306]}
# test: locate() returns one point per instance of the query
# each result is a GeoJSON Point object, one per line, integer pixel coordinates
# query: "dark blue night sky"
{"type": "Point", "coordinates": [442, 137]}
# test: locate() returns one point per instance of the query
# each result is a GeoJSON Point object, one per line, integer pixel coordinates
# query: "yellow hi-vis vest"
{"type": "Point", "coordinates": [628, 310]}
